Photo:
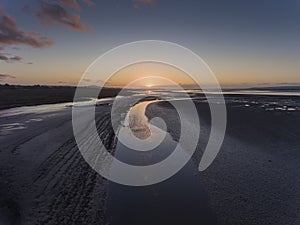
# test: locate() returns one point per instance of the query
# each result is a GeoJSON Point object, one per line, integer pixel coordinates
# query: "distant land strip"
{"type": "Point", "coordinates": [20, 95]}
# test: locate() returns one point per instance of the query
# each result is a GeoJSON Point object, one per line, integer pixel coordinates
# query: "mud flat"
{"type": "Point", "coordinates": [255, 177]}
{"type": "Point", "coordinates": [253, 180]}
{"type": "Point", "coordinates": [44, 179]}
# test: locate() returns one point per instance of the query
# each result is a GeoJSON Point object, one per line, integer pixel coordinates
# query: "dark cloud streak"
{"type": "Point", "coordinates": [74, 4]}
{"type": "Point", "coordinates": [71, 3]}
{"type": "Point", "coordinates": [11, 35]}
{"type": "Point", "coordinates": [53, 14]}
{"type": "Point", "coordinates": [7, 58]}
{"type": "Point", "coordinates": [6, 76]}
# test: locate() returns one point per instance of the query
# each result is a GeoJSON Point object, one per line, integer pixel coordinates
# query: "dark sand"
{"type": "Point", "coordinates": [15, 96]}
{"type": "Point", "coordinates": [254, 179]}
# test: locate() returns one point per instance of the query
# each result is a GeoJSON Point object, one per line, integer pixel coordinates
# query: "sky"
{"type": "Point", "coordinates": [245, 43]}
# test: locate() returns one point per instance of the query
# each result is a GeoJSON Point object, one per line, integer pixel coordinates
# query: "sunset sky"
{"type": "Point", "coordinates": [245, 43]}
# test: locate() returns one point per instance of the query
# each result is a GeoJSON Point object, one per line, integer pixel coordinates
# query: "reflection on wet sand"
{"type": "Point", "coordinates": [179, 200]}
{"type": "Point", "coordinates": [45, 180]}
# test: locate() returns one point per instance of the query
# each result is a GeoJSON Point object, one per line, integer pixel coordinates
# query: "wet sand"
{"type": "Point", "coordinates": [254, 179]}
{"type": "Point", "coordinates": [44, 175]}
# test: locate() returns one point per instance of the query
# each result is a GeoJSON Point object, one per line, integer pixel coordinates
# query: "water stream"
{"type": "Point", "coordinates": [178, 200]}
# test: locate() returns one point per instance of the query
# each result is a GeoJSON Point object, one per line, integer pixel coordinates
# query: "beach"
{"type": "Point", "coordinates": [253, 180]}
{"type": "Point", "coordinates": [149, 112]}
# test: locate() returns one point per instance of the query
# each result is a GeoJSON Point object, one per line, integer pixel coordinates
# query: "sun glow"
{"type": "Point", "coordinates": [149, 85]}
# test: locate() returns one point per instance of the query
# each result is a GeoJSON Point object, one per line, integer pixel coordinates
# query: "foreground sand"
{"type": "Point", "coordinates": [254, 179]}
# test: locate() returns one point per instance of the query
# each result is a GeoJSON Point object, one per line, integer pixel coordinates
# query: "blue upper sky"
{"type": "Point", "coordinates": [244, 42]}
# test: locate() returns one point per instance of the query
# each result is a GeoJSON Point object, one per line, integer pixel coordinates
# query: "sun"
{"type": "Point", "coordinates": [149, 85]}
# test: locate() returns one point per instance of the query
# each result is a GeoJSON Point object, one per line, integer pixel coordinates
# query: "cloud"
{"type": "Point", "coordinates": [137, 3]}
{"type": "Point", "coordinates": [11, 35]}
{"type": "Point", "coordinates": [7, 58]}
{"type": "Point", "coordinates": [53, 14]}
{"type": "Point", "coordinates": [74, 4]}
{"type": "Point", "coordinates": [289, 83]}
{"type": "Point", "coordinates": [3, 57]}
{"type": "Point", "coordinates": [15, 58]}
{"type": "Point", "coordinates": [6, 76]}
{"type": "Point", "coordinates": [71, 3]}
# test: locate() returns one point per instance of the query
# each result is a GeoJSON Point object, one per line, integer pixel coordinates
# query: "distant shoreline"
{"type": "Point", "coordinates": [12, 96]}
